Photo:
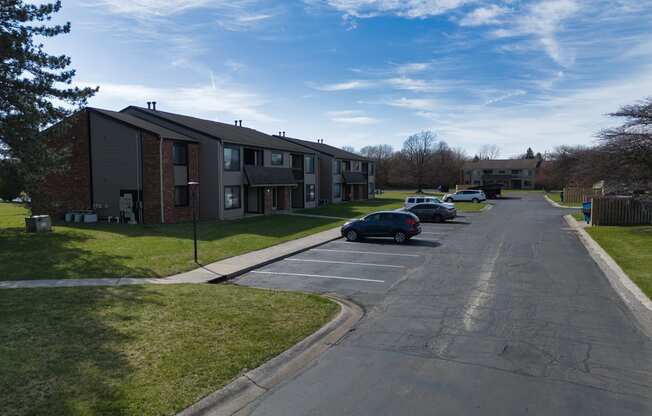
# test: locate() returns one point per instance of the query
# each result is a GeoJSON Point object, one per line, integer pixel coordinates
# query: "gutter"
{"type": "Point", "coordinates": [160, 169]}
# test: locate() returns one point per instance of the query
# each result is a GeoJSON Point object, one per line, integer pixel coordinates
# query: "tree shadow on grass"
{"type": "Point", "coordinates": [65, 350]}
{"type": "Point", "coordinates": [57, 255]}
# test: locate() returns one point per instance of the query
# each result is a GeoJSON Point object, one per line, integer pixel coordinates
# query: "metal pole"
{"type": "Point", "coordinates": [194, 220]}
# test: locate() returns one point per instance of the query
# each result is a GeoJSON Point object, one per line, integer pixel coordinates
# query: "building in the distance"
{"type": "Point", "coordinates": [510, 173]}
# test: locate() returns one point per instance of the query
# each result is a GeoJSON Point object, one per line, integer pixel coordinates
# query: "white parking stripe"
{"type": "Point", "coordinates": [346, 262]}
{"type": "Point", "coordinates": [320, 276]}
{"type": "Point", "coordinates": [365, 252]}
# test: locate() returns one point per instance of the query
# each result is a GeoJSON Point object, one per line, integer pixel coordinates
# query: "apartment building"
{"type": "Point", "coordinates": [344, 176]}
{"type": "Point", "coordinates": [510, 173]}
{"type": "Point", "coordinates": [148, 158]}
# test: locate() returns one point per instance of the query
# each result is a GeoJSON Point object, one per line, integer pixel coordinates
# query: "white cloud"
{"type": "Point", "coordinates": [412, 9]}
{"type": "Point", "coordinates": [484, 16]}
{"type": "Point", "coordinates": [410, 84]}
{"type": "Point", "coordinates": [421, 104]}
{"type": "Point", "coordinates": [413, 67]}
{"type": "Point", "coordinates": [504, 96]}
{"type": "Point", "coordinates": [543, 20]}
{"type": "Point", "coordinates": [217, 102]}
{"type": "Point", "coordinates": [157, 7]}
{"type": "Point", "coordinates": [341, 86]}
{"type": "Point", "coordinates": [351, 117]}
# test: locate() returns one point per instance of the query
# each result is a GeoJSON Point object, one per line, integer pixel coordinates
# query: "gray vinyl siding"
{"type": "Point", "coordinates": [116, 158]}
{"type": "Point", "coordinates": [209, 165]}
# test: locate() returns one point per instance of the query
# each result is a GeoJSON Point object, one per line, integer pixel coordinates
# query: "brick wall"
{"type": "Point", "coordinates": [151, 182]}
{"type": "Point", "coordinates": [284, 198]}
{"type": "Point", "coordinates": [70, 190]}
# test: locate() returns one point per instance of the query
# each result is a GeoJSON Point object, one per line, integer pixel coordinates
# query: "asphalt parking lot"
{"type": "Point", "coordinates": [363, 270]}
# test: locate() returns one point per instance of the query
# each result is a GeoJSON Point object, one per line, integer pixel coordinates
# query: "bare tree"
{"type": "Point", "coordinates": [631, 143]}
{"type": "Point", "coordinates": [381, 155]}
{"type": "Point", "coordinates": [348, 148]}
{"type": "Point", "coordinates": [417, 153]}
{"type": "Point", "coordinates": [488, 151]}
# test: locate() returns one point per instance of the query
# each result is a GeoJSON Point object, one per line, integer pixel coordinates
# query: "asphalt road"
{"type": "Point", "coordinates": [503, 313]}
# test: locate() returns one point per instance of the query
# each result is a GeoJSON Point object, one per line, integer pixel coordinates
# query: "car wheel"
{"type": "Point", "coordinates": [400, 237]}
{"type": "Point", "coordinates": [351, 235]}
{"type": "Point", "coordinates": [475, 200]}
{"type": "Point", "coordinates": [437, 218]}
{"type": "Point", "coordinates": [449, 199]}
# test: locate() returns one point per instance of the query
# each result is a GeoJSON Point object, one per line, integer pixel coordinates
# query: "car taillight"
{"type": "Point", "coordinates": [411, 221]}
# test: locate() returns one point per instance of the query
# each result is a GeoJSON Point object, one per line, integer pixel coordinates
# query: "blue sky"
{"type": "Point", "coordinates": [537, 73]}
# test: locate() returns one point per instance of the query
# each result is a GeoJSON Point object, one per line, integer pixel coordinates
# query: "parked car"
{"type": "Point", "coordinates": [433, 212]}
{"type": "Point", "coordinates": [472, 195]}
{"type": "Point", "coordinates": [396, 224]}
{"type": "Point", "coordinates": [491, 191]}
{"type": "Point", "coordinates": [411, 201]}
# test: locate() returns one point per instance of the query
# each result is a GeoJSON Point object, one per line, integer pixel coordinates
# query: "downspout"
{"type": "Point", "coordinates": [160, 169]}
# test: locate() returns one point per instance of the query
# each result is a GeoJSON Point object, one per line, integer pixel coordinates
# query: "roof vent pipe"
{"type": "Point", "coordinates": [283, 134]}
{"type": "Point", "coordinates": [235, 123]}
{"type": "Point", "coordinates": [149, 105]}
{"type": "Point", "coordinates": [154, 105]}
{"type": "Point", "coordinates": [240, 123]}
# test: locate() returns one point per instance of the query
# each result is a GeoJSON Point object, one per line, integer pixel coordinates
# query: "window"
{"type": "Point", "coordinates": [277, 159]}
{"type": "Point", "coordinates": [501, 171]}
{"type": "Point", "coordinates": [371, 169]}
{"type": "Point", "coordinates": [411, 200]}
{"type": "Point", "coordinates": [180, 153]}
{"type": "Point", "coordinates": [338, 167]}
{"type": "Point", "coordinates": [231, 158]}
{"type": "Point", "coordinates": [310, 192]}
{"type": "Point", "coordinates": [527, 183]}
{"type": "Point", "coordinates": [420, 200]}
{"type": "Point", "coordinates": [355, 166]}
{"type": "Point", "coordinates": [488, 171]}
{"type": "Point", "coordinates": [372, 218]}
{"type": "Point", "coordinates": [516, 171]}
{"type": "Point", "coordinates": [338, 191]}
{"type": "Point", "coordinates": [371, 188]}
{"type": "Point", "coordinates": [231, 197]}
{"type": "Point", "coordinates": [181, 196]}
{"type": "Point", "coordinates": [310, 164]}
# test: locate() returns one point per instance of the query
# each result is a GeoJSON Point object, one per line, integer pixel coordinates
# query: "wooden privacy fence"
{"type": "Point", "coordinates": [577, 195]}
{"type": "Point", "coordinates": [619, 211]}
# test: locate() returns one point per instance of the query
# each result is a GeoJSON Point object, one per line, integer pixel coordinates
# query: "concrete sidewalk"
{"type": "Point", "coordinates": [217, 271]}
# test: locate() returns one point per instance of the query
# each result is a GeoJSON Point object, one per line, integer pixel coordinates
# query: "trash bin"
{"type": "Point", "coordinates": [38, 224]}
{"type": "Point", "coordinates": [586, 210]}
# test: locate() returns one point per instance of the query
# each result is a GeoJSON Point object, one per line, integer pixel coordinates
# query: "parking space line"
{"type": "Point", "coordinates": [319, 276]}
{"type": "Point", "coordinates": [346, 262]}
{"type": "Point", "coordinates": [366, 252]}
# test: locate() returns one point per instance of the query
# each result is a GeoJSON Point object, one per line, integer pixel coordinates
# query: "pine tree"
{"type": "Point", "coordinates": [35, 87]}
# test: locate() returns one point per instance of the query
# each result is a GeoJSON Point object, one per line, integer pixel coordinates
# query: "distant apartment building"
{"type": "Point", "coordinates": [148, 158]}
{"type": "Point", "coordinates": [510, 173]}
{"type": "Point", "coordinates": [343, 176]}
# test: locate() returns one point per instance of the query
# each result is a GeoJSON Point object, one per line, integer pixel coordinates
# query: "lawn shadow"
{"type": "Point", "coordinates": [65, 350]}
{"type": "Point", "coordinates": [57, 255]}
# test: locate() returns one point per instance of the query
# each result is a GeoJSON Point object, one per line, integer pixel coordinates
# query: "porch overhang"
{"type": "Point", "coordinates": [265, 177]}
{"type": "Point", "coordinates": [354, 178]}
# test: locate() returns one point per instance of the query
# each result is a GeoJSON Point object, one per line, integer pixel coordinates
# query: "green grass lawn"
{"type": "Point", "coordinates": [578, 215]}
{"type": "Point", "coordinates": [140, 350]}
{"type": "Point", "coordinates": [631, 248]}
{"type": "Point", "coordinates": [389, 200]}
{"type": "Point", "coordinates": [556, 197]}
{"type": "Point", "coordinates": [115, 250]}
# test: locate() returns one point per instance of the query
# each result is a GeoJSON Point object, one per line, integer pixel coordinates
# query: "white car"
{"type": "Point", "coordinates": [411, 201]}
{"type": "Point", "coordinates": [469, 195]}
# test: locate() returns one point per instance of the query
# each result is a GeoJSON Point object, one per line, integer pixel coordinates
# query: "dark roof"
{"type": "Point", "coordinates": [503, 164]}
{"type": "Point", "coordinates": [269, 176]}
{"type": "Point", "coordinates": [354, 178]}
{"type": "Point", "coordinates": [225, 132]}
{"type": "Point", "coordinates": [325, 148]}
{"type": "Point", "coordinates": [142, 124]}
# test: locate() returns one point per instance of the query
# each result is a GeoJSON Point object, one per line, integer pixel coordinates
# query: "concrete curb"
{"type": "Point", "coordinates": [233, 275]}
{"type": "Point", "coordinates": [245, 389]}
{"type": "Point", "coordinates": [635, 300]}
{"type": "Point", "coordinates": [555, 204]}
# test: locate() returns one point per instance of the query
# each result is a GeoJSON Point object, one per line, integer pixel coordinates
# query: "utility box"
{"type": "Point", "coordinates": [38, 224]}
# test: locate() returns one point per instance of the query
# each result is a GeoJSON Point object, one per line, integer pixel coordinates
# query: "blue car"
{"type": "Point", "coordinates": [401, 226]}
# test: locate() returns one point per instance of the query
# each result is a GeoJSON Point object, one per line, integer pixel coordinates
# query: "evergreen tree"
{"type": "Point", "coordinates": [35, 87]}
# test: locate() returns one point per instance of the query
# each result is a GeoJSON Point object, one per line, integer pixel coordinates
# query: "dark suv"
{"type": "Point", "coordinates": [400, 225]}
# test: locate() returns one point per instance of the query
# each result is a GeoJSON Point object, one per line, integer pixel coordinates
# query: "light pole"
{"type": "Point", "coordinates": [193, 188]}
